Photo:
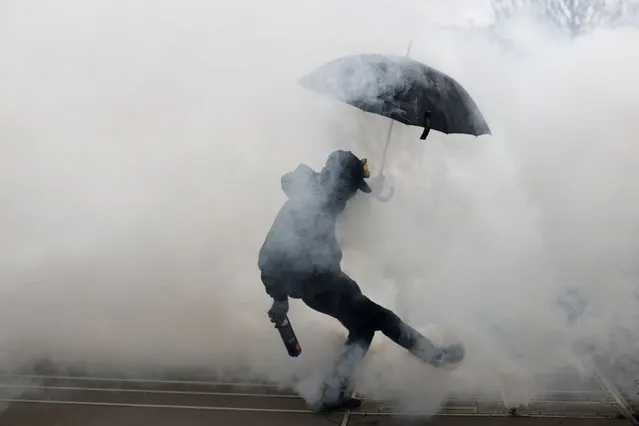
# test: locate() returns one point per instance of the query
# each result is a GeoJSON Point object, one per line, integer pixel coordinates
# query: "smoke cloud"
{"type": "Point", "coordinates": [141, 152]}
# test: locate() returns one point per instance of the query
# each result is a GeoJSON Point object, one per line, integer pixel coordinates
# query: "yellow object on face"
{"type": "Point", "coordinates": [365, 166]}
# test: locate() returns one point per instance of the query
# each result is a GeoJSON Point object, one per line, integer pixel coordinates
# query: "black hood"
{"type": "Point", "coordinates": [341, 177]}
{"type": "Point", "coordinates": [301, 183]}
{"type": "Point", "coordinates": [346, 172]}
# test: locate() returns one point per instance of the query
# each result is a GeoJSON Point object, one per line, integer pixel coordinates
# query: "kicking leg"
{"type": "Point", "coordinates": [406, 336]}
{"type": "Point", "coordinates": [420, 346]}
{"type": "Point", "coordinates": [341, 298]}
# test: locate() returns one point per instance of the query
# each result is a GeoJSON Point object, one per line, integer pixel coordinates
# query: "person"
{"type": "Point", "coordinates": [301, 259]}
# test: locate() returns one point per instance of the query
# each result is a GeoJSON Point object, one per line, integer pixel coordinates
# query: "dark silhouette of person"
{"type": "Point", "coordinates": [301, 259]}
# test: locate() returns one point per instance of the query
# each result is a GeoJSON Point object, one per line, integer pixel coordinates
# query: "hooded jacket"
{"type": "Point", "coordinates": [302, 241]}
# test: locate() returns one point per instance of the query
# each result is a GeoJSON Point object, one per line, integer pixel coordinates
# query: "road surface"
{"type": "Point", "coordinates": [63, 399]}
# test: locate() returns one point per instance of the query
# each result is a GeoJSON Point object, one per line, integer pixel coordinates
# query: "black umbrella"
{"type": "Point", "coordinates": [400, 88]}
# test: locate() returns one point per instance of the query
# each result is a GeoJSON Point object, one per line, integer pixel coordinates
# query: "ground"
{"type": "Point", "coordinates": [78, 399]}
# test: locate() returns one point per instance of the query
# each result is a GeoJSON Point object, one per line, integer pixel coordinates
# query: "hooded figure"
{"type": "Point", "coordinates": [301, 259]}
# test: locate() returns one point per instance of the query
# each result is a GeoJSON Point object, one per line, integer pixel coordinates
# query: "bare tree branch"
{"type": "Point", "coordinates": [574, 17]}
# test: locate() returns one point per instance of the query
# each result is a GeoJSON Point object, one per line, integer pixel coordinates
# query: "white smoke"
{"type": "Point", "coordinates": [141, 151]}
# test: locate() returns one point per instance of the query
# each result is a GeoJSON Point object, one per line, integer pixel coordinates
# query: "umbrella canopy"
{"type": "Point", "coordinates": [399, 88]}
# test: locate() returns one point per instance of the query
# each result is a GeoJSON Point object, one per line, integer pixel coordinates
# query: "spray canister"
{"type": "Point", "coordinates": [288, 337]}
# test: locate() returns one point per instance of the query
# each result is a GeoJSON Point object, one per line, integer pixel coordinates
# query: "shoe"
{"type": "Point", "coordinates": [345, 403]}
{"type": "Point", "coordinates": [449, 355]}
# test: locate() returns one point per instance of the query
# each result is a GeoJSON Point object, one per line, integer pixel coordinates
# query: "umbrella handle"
{"type": "Point", "coordinates": [377, 189]}
{"type": "Point", "coordinates": [388, 197]}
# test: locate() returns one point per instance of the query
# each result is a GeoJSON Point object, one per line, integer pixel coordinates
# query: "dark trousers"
{"type": "Point", "coordinates": [337, 295]}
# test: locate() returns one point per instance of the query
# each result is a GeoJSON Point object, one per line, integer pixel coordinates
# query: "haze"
{"type": "Point", "coordinates": [141, 148]}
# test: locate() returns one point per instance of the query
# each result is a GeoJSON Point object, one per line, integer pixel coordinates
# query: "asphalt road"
{"type": "Point", "coordinates": [61, 400]}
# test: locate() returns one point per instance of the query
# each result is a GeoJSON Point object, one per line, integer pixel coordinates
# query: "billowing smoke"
{"type": "Point", "coordinates": [141, 151]}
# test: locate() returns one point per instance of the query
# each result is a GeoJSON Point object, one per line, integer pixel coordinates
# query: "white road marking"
{"type": "Point", "coordinates": [275, 410]}
{"type": "Point", "coordinates": [347, 414]}
{"type": "Point", "coordinates": [89, 389]}
{"type": "Point", "coordinates": [259, 395]}
{"type": "Point", "coordinates": [619, 401]}
{"type": "Point", "coordinates": [624, 406]}
{"type": "Point", "coordinates": [129, 380]}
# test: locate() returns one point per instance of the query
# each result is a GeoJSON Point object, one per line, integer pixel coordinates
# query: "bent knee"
{"type": "Point", "coordinates": [362, 337]}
